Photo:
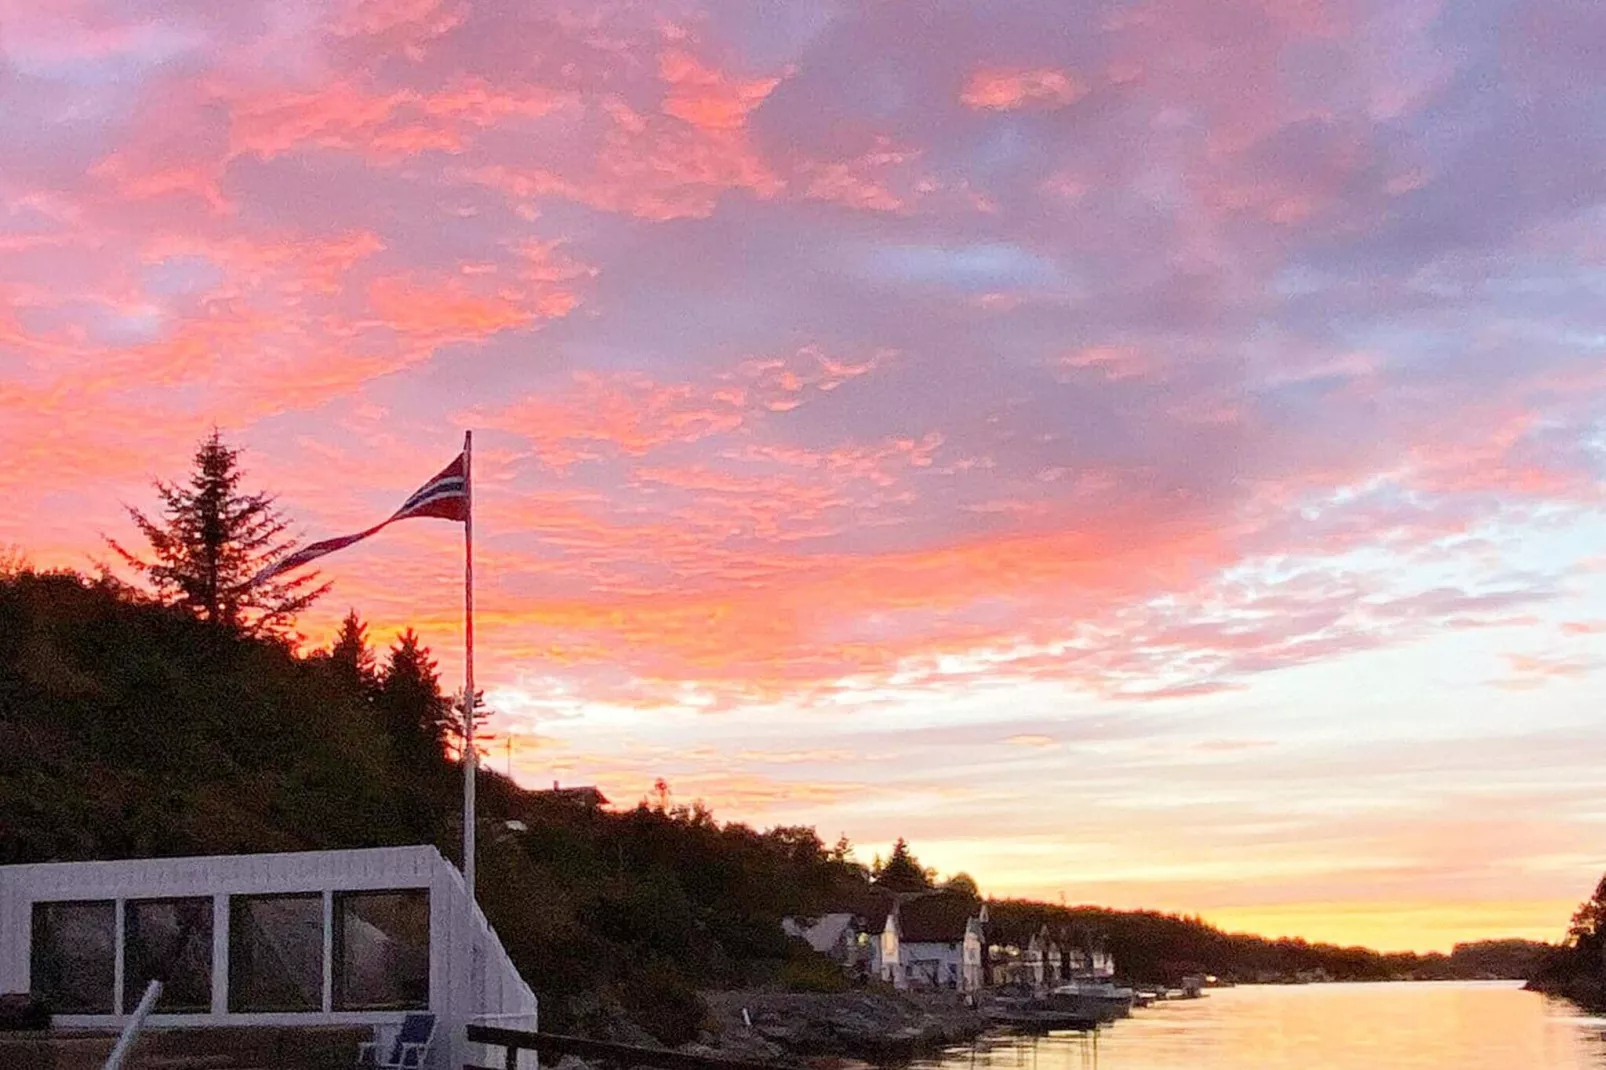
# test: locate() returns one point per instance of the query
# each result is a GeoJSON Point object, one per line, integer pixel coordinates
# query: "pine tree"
{"type": "Point", "coordinates": [210, 542]}
{"type": "Point", "coordinates": [415, 713]}
{"type": "Point", "coordinates": [902, 872]}
{"type": "Point", "coordinates": [353, 659]}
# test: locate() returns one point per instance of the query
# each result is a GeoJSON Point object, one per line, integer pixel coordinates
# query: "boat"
{"type": "Point", "coordinates": [1038, 1015]}
{"type": "Point", "coordinates": [1099, 998]}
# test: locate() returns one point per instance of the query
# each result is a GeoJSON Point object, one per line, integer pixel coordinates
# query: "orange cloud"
{"type": "Point", "coordinates": [706, 98]}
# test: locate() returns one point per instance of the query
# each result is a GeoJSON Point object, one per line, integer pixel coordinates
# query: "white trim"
{"type": "Point", "coordinates": [119, 981]}
{"type": "Point", "coordinates": [328, 907]}
{"type": "Point", "coordinates": [220, 955]}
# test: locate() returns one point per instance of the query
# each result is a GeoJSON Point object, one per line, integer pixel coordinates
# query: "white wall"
{"type": "Point", "coordinates": [470, 975]}
{"type": "Point", "coordinates": [929, 965]}
{"type": "Point", "coordinates": [886, 959]}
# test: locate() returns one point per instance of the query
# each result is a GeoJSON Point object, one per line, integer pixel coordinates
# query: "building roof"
{"type": "Point", "coordinates": [871, 906]}
{"type": "Point", "coordinates": [937, 919]}
{"type": "Point", "coordinates": [826, 932]}
{"type": "Point", "coordinates": [586, 795]}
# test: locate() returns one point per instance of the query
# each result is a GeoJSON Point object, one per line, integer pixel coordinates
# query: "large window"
{"type": "Point", "coordinates": [169, 940]}
{"type": "Point", "coordinates": [73, 957]}
{"type": "Point", "coordinates": [381, 944]}
{"type": "Point", "coordinates": [276, 953]}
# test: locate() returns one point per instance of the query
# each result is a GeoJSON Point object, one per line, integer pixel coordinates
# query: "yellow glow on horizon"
{"type": "Point", "coordinates": [1408, 926]}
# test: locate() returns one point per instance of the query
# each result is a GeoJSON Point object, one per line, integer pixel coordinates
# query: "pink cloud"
{"type": "Point", "coordinates": [1131, 373]}
{"type": "Point", "coordinates": [1008, 90]}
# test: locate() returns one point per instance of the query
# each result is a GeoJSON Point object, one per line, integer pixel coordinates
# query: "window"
{"type": "Point", "coordinates": [169, 940]}
{"type": "Point", "coordinates": [276, 953]}
{"type": "Point", "coordinates": [381, 944]}
{"type": "Point", "coordinates": [73, 956]}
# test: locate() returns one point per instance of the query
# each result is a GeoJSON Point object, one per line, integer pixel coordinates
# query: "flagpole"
{"type": "Point", "coordinates": [470, 757]}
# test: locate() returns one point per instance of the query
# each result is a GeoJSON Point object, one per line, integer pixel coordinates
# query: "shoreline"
{"type": "Point", "coordinates": [1589, 993]}
{"type": "Point", "coordinates": [872, 1025]}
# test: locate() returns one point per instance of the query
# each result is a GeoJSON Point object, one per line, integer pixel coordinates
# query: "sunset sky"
{"type": "Point", "coordinates": [1150, 453]}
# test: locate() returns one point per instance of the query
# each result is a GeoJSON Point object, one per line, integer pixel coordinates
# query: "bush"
{"type": "Point", "coordinates": [660, 1001]}
{"type": "Point", "coordinates": [813, 973]}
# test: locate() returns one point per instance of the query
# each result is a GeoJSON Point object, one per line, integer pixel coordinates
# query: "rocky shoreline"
{"type": "Point", "coordinates": [866, 1025]}
{"type": "Point", "coordinates": [875, 1026]}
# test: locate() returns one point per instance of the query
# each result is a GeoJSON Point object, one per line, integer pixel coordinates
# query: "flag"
{"type": "Point", "coordinates": [444, 497]}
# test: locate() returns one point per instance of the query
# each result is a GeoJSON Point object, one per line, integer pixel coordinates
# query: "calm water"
{"type": "Point", "coordinates": [1324, 1027]}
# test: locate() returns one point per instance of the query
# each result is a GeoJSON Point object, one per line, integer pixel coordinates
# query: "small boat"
{"type": "Point", "coordinates": [1098, 998]}
{"type": "Point", "coordinates": [1037, 1017]}
{"type": "Point", "coordinates": [1099, 990]}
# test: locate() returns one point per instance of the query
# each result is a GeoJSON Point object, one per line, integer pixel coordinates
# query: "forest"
{"type": "Point", "coordinates": [175, 713]}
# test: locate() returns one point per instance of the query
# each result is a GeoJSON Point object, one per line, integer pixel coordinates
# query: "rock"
{"type": "Point", "coordinates": [871, 1024]}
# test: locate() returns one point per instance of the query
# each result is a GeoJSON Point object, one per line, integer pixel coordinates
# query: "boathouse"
{"type": "Point", "coordinates": [357, 937]}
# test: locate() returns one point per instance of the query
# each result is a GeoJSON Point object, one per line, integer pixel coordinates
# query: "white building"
{"type": "Point", "coordinates": [942, 938]}
{"type": "Point", "coordinates": [864, 938]}
{"type": "Point", "coordinates": [317, 938]}
{"type": "Point", "coordinates": [884, 936]}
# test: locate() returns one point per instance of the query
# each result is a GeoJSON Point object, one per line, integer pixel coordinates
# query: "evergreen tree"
{"type": "Point", "coordinates": [210, 542]}
{"type": "Point", "coordinates": [902, 872]}
{"type": "Point", "coordinates": [415, 713]}
{"type": "Point", "coordinates": [352, 659]}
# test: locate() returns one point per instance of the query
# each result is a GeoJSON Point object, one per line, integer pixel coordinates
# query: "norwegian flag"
{"type": "Point", "coordinates": [445, 497]}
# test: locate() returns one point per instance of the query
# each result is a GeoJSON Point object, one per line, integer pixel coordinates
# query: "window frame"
{"type": "Point", "coordinates": [233, 1003]}
{"type": "Point", "coordinates": [336, 937]}
{"type": "Point", "coordinates": [113, 989]}
{"type": "Point", "coordinates": [132, 984]}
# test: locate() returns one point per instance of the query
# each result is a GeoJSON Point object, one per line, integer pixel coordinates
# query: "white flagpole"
{"type": "Point", "coordinates": [470, 757]}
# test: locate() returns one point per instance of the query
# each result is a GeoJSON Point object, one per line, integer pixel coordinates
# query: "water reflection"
{"type": "Point", "coordinates": [1492, 1026]}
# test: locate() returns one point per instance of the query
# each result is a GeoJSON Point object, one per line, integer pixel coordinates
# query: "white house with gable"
{"type": "Point", "coordinates": [942, 936]}
{"type": "Point", "coordinates": [357, 937]}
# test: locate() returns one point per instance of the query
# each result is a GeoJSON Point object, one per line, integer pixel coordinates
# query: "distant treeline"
{"type": "Point", "coordinates": [132, 728]}
{"type": "Point", "coordinates": [1160, 948]}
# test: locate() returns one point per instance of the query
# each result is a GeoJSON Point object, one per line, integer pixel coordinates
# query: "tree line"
{"type": "Point", "coordinates": [171, 711]}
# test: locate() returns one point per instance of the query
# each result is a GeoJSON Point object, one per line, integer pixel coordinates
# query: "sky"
{"type": "Point", "coordinates": [1145, 453]}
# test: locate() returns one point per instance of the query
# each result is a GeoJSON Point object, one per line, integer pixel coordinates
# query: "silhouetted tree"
{"type": "Point", "coordinates": [902, 872]}
{"type": "Point", "coordinates": [14, 561]}
{"type": "Point", "coordinates": [212, 540]}
{"type": "Point", "coordinates": [414, 712]}
{"type": "Point", "coordinates": [1588, 929]}
{"type": "Point", "coordinates": [962, 884]}
{"type": "Point", "coordinates": [353, 660]}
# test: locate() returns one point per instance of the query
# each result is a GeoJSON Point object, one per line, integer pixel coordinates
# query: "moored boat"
{"type": "Point", "coordinates": [1100, 998]}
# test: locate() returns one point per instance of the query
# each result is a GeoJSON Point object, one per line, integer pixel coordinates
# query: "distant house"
{"type": "Point", "coordinates": [1098, 964]}
{"type": "Point", "coordinates": [941, 941]}
{"type": "Point", "coordinates": [833, 935]}
{"type": "Point", "coordinates": [588, 797]}
{"type": "Point", "coordinates": [1038, 951]}
{"type": "Point", "coordinates": [1032, 954]}
{"type": "Point", "coordinates": [862, 935]}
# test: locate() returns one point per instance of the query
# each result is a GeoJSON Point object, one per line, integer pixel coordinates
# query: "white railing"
{"type": "Point", "coordinates": [147, 1003]}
